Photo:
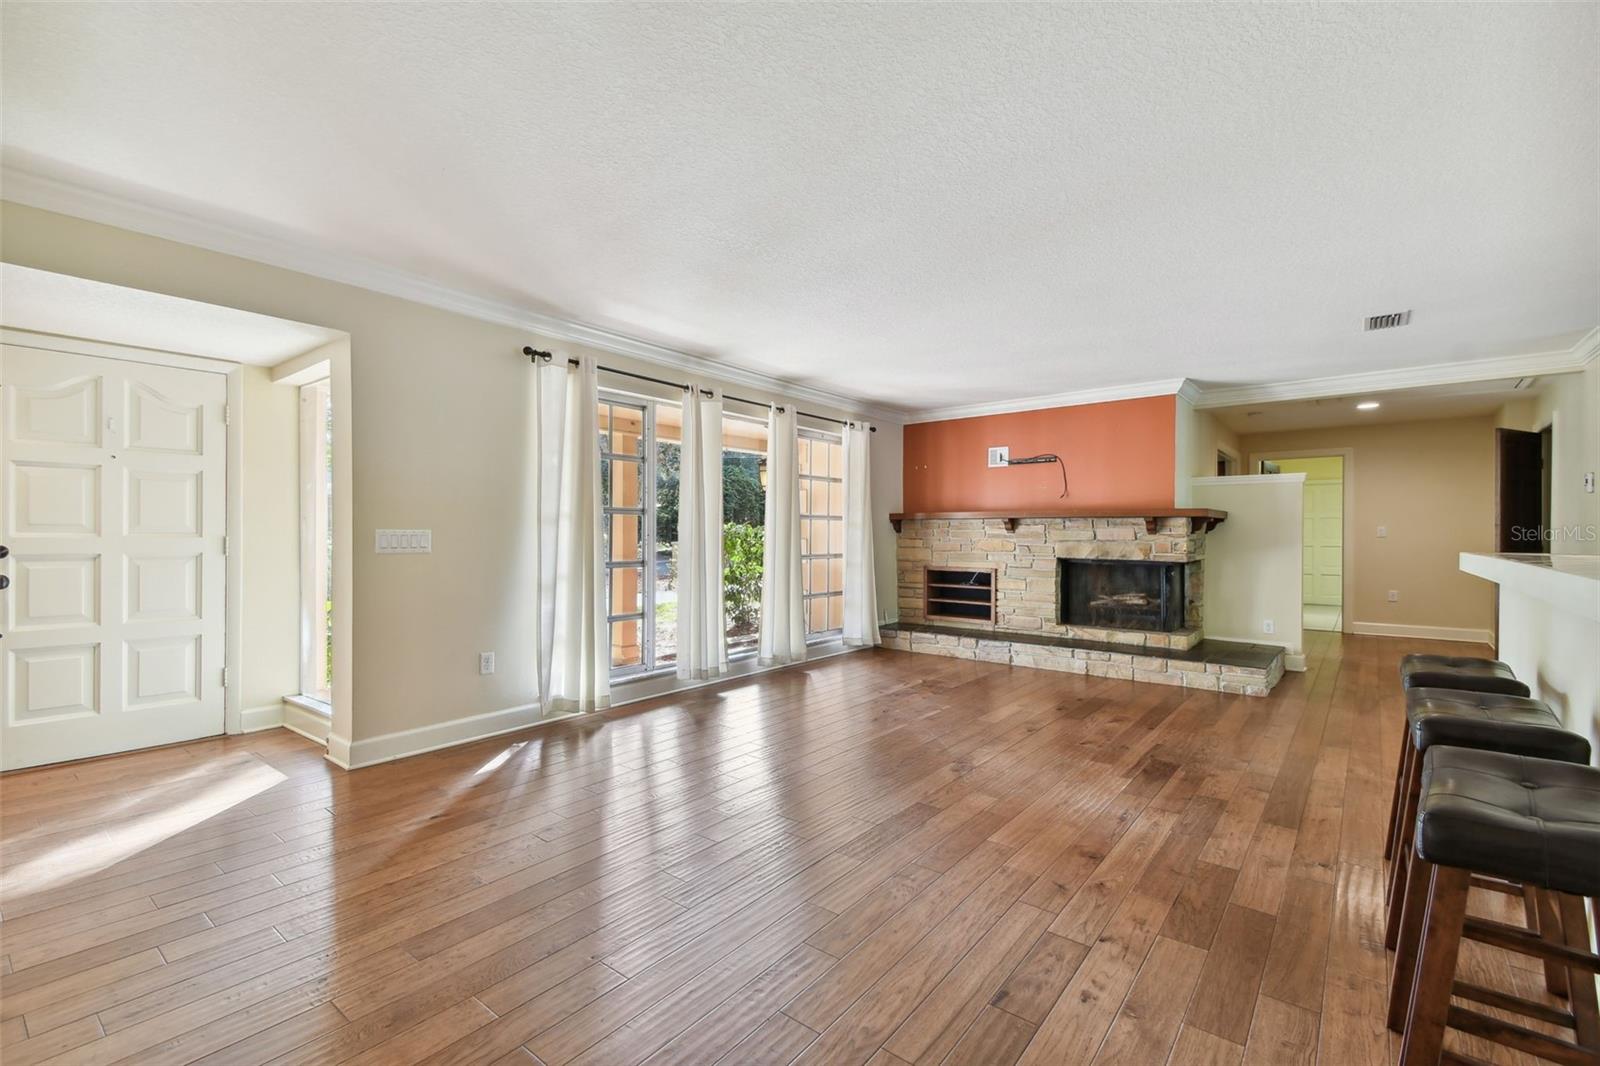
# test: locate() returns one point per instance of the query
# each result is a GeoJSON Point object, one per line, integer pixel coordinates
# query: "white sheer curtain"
{"type": "Point", "coordinates": [574, 662]}
{"type": "Point", "coordinates": [702, 631]}
{"type": "Point", "coordinates": [783, 624]}
{"type": "Point", "coordinates": [860, 585]}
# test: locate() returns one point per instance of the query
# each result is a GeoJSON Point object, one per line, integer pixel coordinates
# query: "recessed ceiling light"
{"type": "Point", "coordinates": [1367, 405]}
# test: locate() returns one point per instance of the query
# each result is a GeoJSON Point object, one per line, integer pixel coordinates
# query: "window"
{"type": "Point", "coordinates": [744, 517]}
{"type": "Point", "coordinates": [641, 447]}
{"type": "Point", "coordinates": [629, 537]}
{"type": "Point", "coordinates": [821, 463]}
{"type": "Point", "coordinates": [316, 541]}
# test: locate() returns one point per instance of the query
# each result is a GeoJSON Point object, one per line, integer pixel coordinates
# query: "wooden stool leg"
{"type": "Point", "coordinates": [1413, 911]}
{"type": "Point", "coordinates": [1540, 907]}
{"type": "Point", "coordinates": [1575, 933]}
{"type": "Point", "coordinates": [1436, 964]}
{"type": "Point", "coordinates": [1404, 838]}
{"type": "Point", "coordinates": [1394, 802]}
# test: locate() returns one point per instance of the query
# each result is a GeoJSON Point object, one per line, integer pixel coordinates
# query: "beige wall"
{"type": "Point", "coordinates": [1252, 567]}
{"type": "Point", "coordinates": [1198, 435]}
{"type": "Point", "coordinates": [439, 422]}
{"type": "Point", "coordinates": [271, 609]}
{"type": "Point", "coordinates": [1570, 403]}
{"type": "Point", "coordinates": [1431, 484]}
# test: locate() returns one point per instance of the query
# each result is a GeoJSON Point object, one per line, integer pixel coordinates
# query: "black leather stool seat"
{"type": "Point", "coordinates": [1491, 722]}
{"type": "Point", "coordinates": [1528, 820]}
{"type": "Point", "coordinates": [1449, 671]}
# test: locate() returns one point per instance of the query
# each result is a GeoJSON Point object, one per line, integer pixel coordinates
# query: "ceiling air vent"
{"type": "Point", "coordinates": [1389, 321]}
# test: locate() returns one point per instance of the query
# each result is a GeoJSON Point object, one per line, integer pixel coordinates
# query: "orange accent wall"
{"type": "Point", "coordinates": [1119, 454]}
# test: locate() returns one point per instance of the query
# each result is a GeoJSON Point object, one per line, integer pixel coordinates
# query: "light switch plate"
{"type": "Point", "coordinates": [404, 541]}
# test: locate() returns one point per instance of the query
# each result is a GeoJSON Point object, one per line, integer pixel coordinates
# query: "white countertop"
{"type": "Point", "coordinates": [1571, 583]}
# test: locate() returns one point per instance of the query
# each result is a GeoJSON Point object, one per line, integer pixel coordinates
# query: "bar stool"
{"type": "Point", "coordinates": [1466, 719]}
{"type": "Point", "coordinates": [1480, 720]}
{"type": "Point", "coordinates": [1451, 671]}
{"type": "Point", "coordinates": [1533, 821]}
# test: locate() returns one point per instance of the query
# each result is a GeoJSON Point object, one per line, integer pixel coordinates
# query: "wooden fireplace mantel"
{"type": "Point", "coordinates": [1209, 516]}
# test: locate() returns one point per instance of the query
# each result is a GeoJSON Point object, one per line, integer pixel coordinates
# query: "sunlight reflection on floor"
{"type": "Point", "coordinates": [57, 866]}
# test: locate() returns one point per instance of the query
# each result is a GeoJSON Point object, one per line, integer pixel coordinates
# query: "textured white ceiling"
{"type": "Point", "coordinates": [43, 302]}
{"type": "Point", "coordinates": [918, 205]}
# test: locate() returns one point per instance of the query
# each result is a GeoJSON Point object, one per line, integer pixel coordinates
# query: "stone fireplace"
{"type": "Point", "coordinates": [1024, 554]}
{"type": "Point", "coordinates": [1112, 596]}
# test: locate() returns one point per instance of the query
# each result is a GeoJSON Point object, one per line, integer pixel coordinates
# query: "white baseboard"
{"type": "Point", "coordinates": [1385, 629]}
{"type": "Point", "coordinates": [338, 751]}
{"type": "Point", "coordinates": [309, 724]}
{"type": "Point", "coordinates": [390, 746]}
{"type": "Point", "coordinates": [256, 719]}
{"type": "Point", "coordinates": [352, 755]}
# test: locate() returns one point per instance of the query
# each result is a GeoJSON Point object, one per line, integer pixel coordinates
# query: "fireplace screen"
{"type": "Point", "coordinates": [1120, 594]}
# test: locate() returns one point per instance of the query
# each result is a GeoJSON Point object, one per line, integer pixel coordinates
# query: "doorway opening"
{"type": "Point", "coordinates": [148, 460]}
{"type": "Point", "coordinates": [1522, 490]}
{"type": "Point", "coordinates": [1322, 548]}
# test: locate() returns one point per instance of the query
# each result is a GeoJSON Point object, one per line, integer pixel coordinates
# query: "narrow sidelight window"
{"type": "Point", "coordinates": [821, 464]}
{"type": "Point", "coordinates": [316, 541]}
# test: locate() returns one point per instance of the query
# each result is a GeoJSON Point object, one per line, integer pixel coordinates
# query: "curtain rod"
{"type": "Point", "coordinates": [534, 353]}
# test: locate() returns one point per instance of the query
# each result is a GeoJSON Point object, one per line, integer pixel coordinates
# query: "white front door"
{"type": "Point", "coordinates": [1323, 551]}
{"type": "Point", "coordinates": [112, 481]}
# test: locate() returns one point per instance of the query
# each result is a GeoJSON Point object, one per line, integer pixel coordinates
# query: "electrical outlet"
{"type": "Point", "coordinates": [1383, 531]}
{"type": "Point", "coordinates": [999, 456]}
{"type": "Point", "coordinates": [1269, 626]}
{"type": "Point", "coordinates": [486, 662]}
{"type": "Point", "coordinates": [1394, 595]}
{"type": "Point", "coordinates": [1588, 482]}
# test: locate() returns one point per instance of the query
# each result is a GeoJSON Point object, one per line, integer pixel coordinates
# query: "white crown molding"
{"type": "Point", "coordinates": [1591, 353]}
{"type": "Point", "coordinates": [1532, 364]}
{"type": "Point", "coordinates": [229, 238]}
{"type": "Point", "coordinates": [1075, 398]}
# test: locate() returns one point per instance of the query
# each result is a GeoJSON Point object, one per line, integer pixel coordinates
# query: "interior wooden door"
{"type": "Point", "coordinates": [113, 480]}
{"type": "Point", "coordinates": [1519, 491]}
{"type": "Point", "coordinates": [1322, 554]}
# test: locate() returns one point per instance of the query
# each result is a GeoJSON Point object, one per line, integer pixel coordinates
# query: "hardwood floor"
{"type": "Point", "coordinates": [879, 858]}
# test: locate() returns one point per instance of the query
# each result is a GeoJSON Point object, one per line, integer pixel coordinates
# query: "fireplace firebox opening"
{"type": "Point", "coordinates": [1121, 594]}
